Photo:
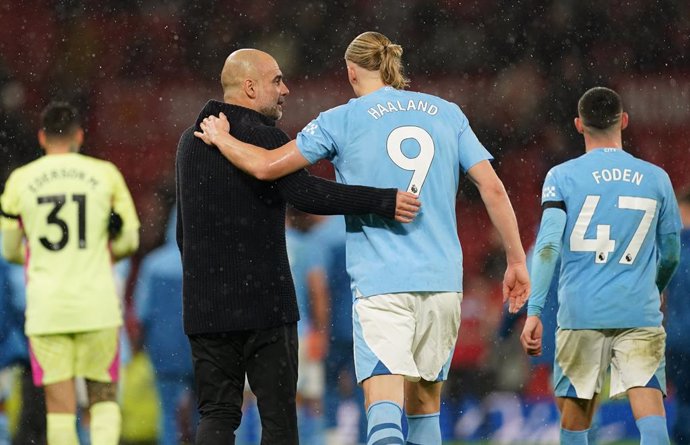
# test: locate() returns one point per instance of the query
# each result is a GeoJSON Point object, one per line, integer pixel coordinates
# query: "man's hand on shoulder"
{"type": "Point", "coordinates": [213, 128]}
{"type": "Point", "coordinates": [406, 207]}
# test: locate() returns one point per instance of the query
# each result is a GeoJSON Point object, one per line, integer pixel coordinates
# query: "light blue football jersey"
{"type": "Point", "coordinates": [616, 206]}
{"type": "Point", "coordinates": [410, 141]}
{"type": "Point", "coordinates": [304, 254]}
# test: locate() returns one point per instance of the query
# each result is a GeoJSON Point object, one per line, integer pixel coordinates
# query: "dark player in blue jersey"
{"type": "Point", "coordinates": [613, 220]}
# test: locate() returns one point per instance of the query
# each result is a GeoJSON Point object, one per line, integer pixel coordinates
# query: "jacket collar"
{"type": "Point", "coordinates": [236, 114]}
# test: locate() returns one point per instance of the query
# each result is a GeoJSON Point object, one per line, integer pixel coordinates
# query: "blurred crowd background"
{"type": "Point", "coordinates": [140, 70]}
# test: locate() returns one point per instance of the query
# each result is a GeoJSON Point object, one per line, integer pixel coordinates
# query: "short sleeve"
{"type": "Point", "coordinates": [551, 192]}
{"type": "Point", "coordinates": [10, 204]}
{"type": "Point", "coordinates": [669, 215]}
{"type": "Point", "coordinates": [319, 139]}
{"type": "Point", "coordinates": [123, 204]}
{"type": "Point", "coordinates": [471, 150]}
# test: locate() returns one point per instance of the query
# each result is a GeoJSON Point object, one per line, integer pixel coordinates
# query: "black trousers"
{"type": "Point", "coordinates": [268, 358]}
{"type": "Point", "coordinates": [31, 425]}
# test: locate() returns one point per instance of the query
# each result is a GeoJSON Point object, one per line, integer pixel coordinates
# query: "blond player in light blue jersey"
{"type": "Point", "coordinates": [406, 280]}
{"type": "Point", "coordinates": [614, 221]}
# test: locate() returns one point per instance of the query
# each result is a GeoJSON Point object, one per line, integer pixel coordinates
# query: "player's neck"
{"type": "Point", "coordinates": [60, 149]}
{"type": "Point", "coordinates": [593, 143]}
{"type": "Point", "coordinates": [239, 101]}
{"type": "Point", "coordinates": [369, 87]}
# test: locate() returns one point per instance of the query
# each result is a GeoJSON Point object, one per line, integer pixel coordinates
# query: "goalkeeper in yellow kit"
{"type": "Point", "coordinates": [68, 217]}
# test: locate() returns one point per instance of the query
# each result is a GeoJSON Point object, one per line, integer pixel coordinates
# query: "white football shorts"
{"type": "Point", "coordinates": [583, 356]}
{"type": "Point", "coordinates": [408, 334]}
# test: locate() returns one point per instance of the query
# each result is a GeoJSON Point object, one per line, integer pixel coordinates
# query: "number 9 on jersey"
{"type": "Point", "coordinates": [419, 164]}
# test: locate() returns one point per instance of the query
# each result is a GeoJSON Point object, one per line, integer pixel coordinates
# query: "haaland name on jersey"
{"type": "Point", "coordinates": [392, 107]}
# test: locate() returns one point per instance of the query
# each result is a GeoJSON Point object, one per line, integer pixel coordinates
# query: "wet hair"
{"type": "Point", "coordinates": [60, 119]}
{"type": "Point", "coordinates": [375, 52]}
{"type": "Point", "coordinates": [600, 108]}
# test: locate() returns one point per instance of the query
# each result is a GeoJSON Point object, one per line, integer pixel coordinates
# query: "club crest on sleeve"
{"type": "Point", "coordinates": [311, 128]}
{"type": "Point", "coordinates": [549, 192]}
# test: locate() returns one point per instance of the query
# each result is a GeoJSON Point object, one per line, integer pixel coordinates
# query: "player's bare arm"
{"type": "Point", "coordinates": [516, 284]}
{"type": "Point", "coordinates": [268, 165]}
{"type": "Point", "coordinates": [263, 164]}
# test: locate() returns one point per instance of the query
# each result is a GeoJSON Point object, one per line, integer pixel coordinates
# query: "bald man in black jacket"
{"type": "Point", "coordinates": [240, 309]}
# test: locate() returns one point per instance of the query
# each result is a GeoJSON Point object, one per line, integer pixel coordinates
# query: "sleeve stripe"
{"type": "Point", "coordinates": [553, 204]}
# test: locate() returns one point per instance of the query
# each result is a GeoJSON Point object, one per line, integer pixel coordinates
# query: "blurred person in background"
{"type": "Point", "coordinates": [343, 399]}
{"type": "Point", "coordinates": [677, 323]}
{"type": "Point", "coordinates": [471, 377]}
{"type": "Point", "coordinates": [406, 310]}
{"type": "Point", "coordinates": [542, 365]}
{"type": "Point", "coordinates": [316, 249]}
{"type": "Point", "coordinates": [304, 252]}
{"type": "Point", "coordinates": [74, 214]}
{"type": "Point", "coordinates": [7, 354]}
{"type": "Point", "coordinates": [158, 303]}
{"type": "Point", "coordinates": [12, 346]}
{"type": "Point", "coordinates": [240, 310]}
{"type": "Point", "coordinates": [613, 219]}
{"type": "Point", "coordinates": [15, 366]}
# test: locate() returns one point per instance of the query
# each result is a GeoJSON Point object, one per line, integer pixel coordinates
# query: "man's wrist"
{"type": "Point", "coordinates": [223, 139]}
{"type": "Point", "coordinates": [516, 259]}
{"type": "Point", "coordinates": [534, 311]}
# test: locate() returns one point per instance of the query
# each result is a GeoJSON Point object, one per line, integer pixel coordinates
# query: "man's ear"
{"type": "Point", "coordinates": [249, 87]}
{"type": "Point", "coordinates": [42, 138]}
{"type": "Point", "coordinates": [351, 74]}
{"type": "Point", "coordinates": [579, 126]}
{"type": "Point", "coordinates": [79, 137]}
{"type": "Point", "coordinates": [624, 120]}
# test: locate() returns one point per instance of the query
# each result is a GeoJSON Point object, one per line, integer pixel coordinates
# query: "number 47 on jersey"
{"type": "Point", "coordinates": [603, 245]}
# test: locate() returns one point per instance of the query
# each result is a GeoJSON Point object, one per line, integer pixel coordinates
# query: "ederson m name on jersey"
{"type": "Point", "coordinates": [43, 178]}
{"type": "Point", "coordinates": [394, 106]}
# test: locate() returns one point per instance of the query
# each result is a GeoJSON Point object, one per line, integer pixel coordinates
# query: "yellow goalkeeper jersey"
{"type": "Point", "coordinates": [63, 204]}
